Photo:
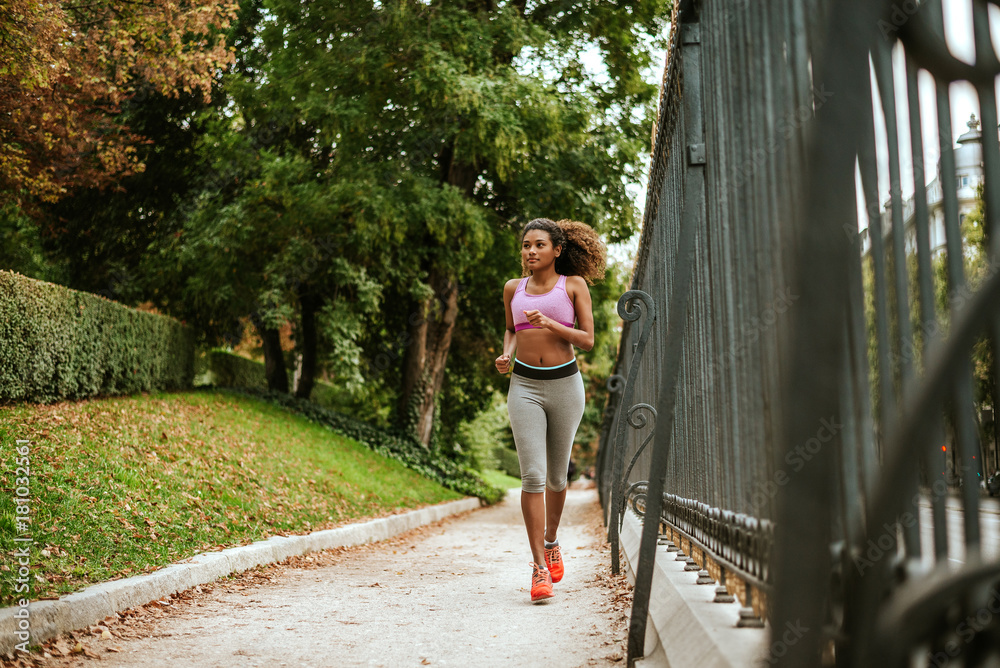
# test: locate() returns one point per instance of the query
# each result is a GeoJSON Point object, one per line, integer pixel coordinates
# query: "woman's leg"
{"type": "Point", "coordinates": [564, 405]}
{"type": "Point", "coordinates": [529, 425]}
{"type": "Point", "coordinates": [554, 502]}
{"type": "Point", "coordinates": [533, 511]}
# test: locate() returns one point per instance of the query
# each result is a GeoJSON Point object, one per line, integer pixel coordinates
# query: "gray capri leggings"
{"type": "Point", "coordinates": [545, 405]}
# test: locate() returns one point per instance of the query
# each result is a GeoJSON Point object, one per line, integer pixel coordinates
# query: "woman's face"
{"type": "Point", "coordinates": [537, 250]}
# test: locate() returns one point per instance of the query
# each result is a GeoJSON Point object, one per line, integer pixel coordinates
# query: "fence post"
{"type": "Point", "coordinates": [691, 220]}
{"type": "Point", "coordinates": [801, 559]}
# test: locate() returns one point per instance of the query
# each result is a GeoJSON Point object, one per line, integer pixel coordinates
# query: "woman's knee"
{"type": "Point", "coordinates": [556, 485]}
{"type": "Point", "coordinates": [533, 484]}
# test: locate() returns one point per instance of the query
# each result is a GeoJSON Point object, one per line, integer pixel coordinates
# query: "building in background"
{"type": "Point", "coordinates": [968, 175]}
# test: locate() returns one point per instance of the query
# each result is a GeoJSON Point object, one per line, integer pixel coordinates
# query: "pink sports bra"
{"type": "Point", "coordinates": [554, 304]}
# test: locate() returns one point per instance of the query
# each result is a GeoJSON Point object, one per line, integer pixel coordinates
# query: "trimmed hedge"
{"type": "Point", "coordinates": [57, 343]}
{"type": "Point", "coordinates": [230, 370]}
{"type": "Point", "coordinates": [226, 369]}
{"type": "Point", "coordinates": [509, 463]}
{"type": "Point", "coordinates": [389, 443]}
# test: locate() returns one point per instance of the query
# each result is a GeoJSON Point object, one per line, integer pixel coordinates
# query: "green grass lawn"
{"type": "Point", "coordinates": [500, 479]}
{"type": "Point", "coordinates": [126, 485]}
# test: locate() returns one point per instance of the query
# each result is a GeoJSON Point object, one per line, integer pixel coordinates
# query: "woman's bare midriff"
{"type": "Point", "coordinates": [540, 347]}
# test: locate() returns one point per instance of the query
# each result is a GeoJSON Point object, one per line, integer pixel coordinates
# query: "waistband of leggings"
{"type": "Point", "coordinates": [546, 372]}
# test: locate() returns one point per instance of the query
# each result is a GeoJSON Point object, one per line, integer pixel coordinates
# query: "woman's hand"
{"type": "Point", "coordinates": [503, 363]}
{"type": "Point", "coordinates": [537, 319]}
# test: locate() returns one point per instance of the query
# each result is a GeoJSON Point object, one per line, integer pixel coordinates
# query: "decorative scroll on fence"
{"type": "Point", "coordinates": [822, 400]}
{"type": "Point", "coordinates": [629, 312]}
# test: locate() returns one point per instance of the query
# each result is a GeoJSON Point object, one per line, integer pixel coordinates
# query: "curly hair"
{"type": "Point", "coordinates": [583, 253]}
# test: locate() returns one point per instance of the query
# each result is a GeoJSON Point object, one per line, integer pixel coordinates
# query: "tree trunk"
{"type": "Point", "coordinates": [429, 337]}
{"type": "Point", "coordinates": [306, 344]}
{"type": "Point", "coordinates": [274, 360]}
{"type": "Point", "coordinates": [430, 328]}
{"type": "Point", "coordinates": [414, 361]}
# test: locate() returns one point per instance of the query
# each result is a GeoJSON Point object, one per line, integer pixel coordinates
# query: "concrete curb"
{"type": "Point", "coordinates": [684, 626]}
{"type": "Point", "coordinates": [48, 619]}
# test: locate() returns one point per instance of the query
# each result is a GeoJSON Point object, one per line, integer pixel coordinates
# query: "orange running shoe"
{"type": "Point", "coordinates": [554, 562]}
{"type": "Point", "coordinates": [541, 583]}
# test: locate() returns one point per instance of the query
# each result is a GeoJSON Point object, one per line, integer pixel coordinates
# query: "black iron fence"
{"type": "Point", "coordinates": [806, 409]}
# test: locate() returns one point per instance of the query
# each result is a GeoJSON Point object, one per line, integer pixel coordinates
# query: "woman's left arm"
{"type": "Point", "coordinates": [581, 337]}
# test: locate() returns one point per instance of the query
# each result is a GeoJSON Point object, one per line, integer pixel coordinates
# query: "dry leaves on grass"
{"type": "Point", "coordinates": [184, 446]}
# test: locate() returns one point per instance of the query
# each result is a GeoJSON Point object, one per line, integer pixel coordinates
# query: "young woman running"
{"type": "Point", "coordinates": [548, 313]}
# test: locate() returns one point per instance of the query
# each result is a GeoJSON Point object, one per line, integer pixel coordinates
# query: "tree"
{"type": "Point", "coordinates": [975, 268]}
{"type": "Point", "coordinates": [65, 70]}
{"type": "Point", "coordinates": [491, 116]}
{"type": "Point", "coordinates": [431, 146]}
{"type": "Point", "coordinates": [362, 172]}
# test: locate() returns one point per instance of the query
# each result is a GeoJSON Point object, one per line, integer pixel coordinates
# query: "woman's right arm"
{"type": "Point", "coordinates": [509, 337]}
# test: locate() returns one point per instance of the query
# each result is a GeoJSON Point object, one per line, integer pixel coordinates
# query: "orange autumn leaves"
{"type": "Point", "coordinates": [66, 68]}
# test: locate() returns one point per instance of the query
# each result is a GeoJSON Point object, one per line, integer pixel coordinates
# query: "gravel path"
{"type": "Point", "coordinates": [451, 594]}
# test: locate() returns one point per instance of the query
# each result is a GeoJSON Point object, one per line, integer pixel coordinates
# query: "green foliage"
{"type": "Point", "coordinates": [101, 238]}
{"type": "Point", "coordinates": [367, 403]}
{"type": "Point", "coordinates": [599, 362]}
{"type": "Point", "coordinates": [501, 479]}
{"type": "Point", "coordinates": [607, 323]}
{"type": "Point", "coordinates": [390, 443]}
{"type": "Point", "coordinates": [975, 268]}
{"type": "Point", "coordinates": [21, 245]}
{"type": "Point", "coordinates": [415, 151]}
{"type": "Point", "coordinates": [224, 369]}
{"type": "Point", "coordinates": [353, 152]}
{"type": "Point", "coordinates": [57, 343]}
{"type": "Point", "coordinates": [231, 370]}
{"type": "Point", "coordinates": [508, 462]}
{"type": "Point", "coordinates": [479, 437]}
{"type": "Point", "coordinates": [868, 290]}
